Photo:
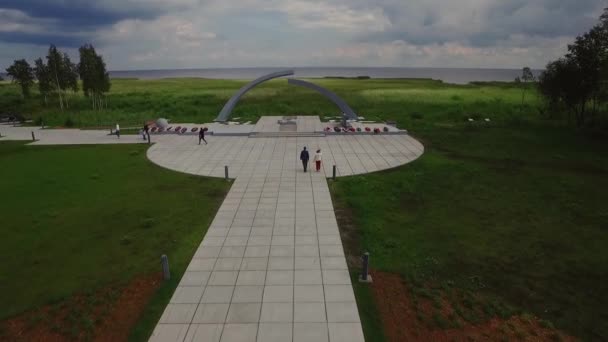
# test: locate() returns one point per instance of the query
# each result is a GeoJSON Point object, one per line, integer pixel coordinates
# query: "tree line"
{"type": "Point", "coordinates": [577, 83]}
{"type": "Point", "coordinates": [58, 76]}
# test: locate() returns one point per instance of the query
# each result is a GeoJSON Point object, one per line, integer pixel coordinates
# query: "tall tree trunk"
{"type": "Point", "coordinates": [58, 88]}
{"type": "Point", "coordinates": [580, 118]}
{"type": "Point", "coordinates": [60, 101]}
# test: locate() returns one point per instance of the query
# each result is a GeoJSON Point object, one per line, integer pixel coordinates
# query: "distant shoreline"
{"type": "Point", "coordinates": [447, 75]}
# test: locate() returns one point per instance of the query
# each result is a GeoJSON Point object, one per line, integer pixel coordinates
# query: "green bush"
{"type": "Point", "coordinates": [69, 122]}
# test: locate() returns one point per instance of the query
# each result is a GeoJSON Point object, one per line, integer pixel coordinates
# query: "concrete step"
{"type": "Point", "coordinates": [285, 134]}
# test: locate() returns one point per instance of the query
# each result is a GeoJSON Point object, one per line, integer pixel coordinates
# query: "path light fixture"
{"type": "Point", "coordinates": [365, 277]}
{"type": "Point", "coordinates": [164, 261]}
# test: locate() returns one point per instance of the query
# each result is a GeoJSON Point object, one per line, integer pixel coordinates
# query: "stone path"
{"type": "Point", "coordinates": [65, 136]}
{"type": "Point", "coordinates": [272, 266]}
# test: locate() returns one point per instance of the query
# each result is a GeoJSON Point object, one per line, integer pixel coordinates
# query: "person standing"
{"type": "Point", "coordinates": [201, 135]}
{"type": "Point", "coordinates": [317, 159]}
{"type": "Point", "coordinates": [304, 157]}
{"type": "Point", "coordinates": [147, 132]}
{"type": "Point", "coordinates": [118, 131]}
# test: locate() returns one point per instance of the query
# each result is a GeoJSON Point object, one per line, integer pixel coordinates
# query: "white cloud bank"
{"type": "Point", "coordinates": [218, 33]}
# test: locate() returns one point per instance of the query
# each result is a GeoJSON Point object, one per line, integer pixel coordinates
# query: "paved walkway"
{"type": "Point", "coordinates": [272, 266]}
{"type": "Point", "coordinates": [65, 136]}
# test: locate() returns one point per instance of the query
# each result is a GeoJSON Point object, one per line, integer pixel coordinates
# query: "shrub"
{"type": "Point", "coordinates": [69, 122]}
{"type": "Point", "coordinates": [416, 116]}
{"type": "Point", "coordinates": [148, 222]}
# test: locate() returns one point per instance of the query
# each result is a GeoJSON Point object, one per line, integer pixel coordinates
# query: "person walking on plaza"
{"type": "Point", "coordinates": [304, 157]}
{"type": "Point", "coordinates": [147, 132]}
{"type": "Point", "coordinates": [118, 131]}
{"type": "Point", "coordinates": [317, 159]}
{"type": "Point", "coordinates": [201, 135]}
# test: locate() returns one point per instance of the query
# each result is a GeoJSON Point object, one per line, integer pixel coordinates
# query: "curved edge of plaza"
{"type": "Point", "coordinates": [351, 154]}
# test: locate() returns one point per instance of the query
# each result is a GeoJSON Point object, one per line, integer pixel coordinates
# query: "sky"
{"type": "Point", "coordinates": [170, 34]}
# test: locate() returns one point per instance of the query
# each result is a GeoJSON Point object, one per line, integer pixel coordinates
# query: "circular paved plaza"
{"type": "Point", "coordinates": [352, 154]}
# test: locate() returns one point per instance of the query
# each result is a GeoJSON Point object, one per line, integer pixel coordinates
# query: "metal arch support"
{"type": "Point", "coordinates": [229, 106]}
{"type": "Point", "coordinates": [348, 112]}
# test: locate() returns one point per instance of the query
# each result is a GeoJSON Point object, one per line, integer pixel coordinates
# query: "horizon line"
{"type": "Point", "coordinates": [320, 67]}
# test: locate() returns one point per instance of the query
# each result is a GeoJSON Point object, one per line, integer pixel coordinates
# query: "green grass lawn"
{"type": "Point", "coordinates": [78, 218]}
{"type": "Point", "coordinates": [517, 214]}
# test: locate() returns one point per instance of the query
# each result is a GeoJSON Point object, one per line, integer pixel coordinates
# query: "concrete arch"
{"type": "Point", "coordinates": [344, 107]}
{"type": "Point", "coordinates": [229, 106]}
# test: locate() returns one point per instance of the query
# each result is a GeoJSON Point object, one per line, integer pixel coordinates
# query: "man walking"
{"type": "Point", "coordinates": [201, 135]}
{"type": "Point", "coordinates": [304, 157]}
{"type": "Point", "coordinates": [118, 131]}
{"type": "Point", "coordinates": [147, 132]}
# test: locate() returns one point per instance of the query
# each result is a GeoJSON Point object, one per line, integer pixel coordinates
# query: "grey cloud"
{"type": "Point", "coordinates": [60, 19]}
{"type": "Point", "coordinates": [483, 23]}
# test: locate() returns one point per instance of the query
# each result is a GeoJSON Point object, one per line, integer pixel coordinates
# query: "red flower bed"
{"type": "Point", "coordinates": [184, 130]}
{"type": "Point", "coordinates": [178, 128]}
{"type": "Point", "coordinates": [154, 129]}
{"type": "Point", "coordinates": [169, 128]}
{"type": "Point", "coordinates": [376, 130]}
{"type": "Point", "coordinates": [160, 129]}
{"type": "Point", "coordinates": [367, 129]}
{"type": "Point", "coordinates": [195, 129]}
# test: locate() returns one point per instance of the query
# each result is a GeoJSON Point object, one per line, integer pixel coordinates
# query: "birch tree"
{"type": "Point", "coordinates": [44, 79]}
{"type": "Point", "coordinates": [55, 68]}
{"type": "Point", "coordinates": [22, 73]}
{"type": "Point", "coordinates": [94, 76]}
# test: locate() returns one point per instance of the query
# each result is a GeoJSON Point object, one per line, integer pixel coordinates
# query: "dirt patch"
{"type": "Point", "coordinates": [409, 317]}
{"type": "Point", "coordinates": [127, 309]}
{"type": "Point", "coordinates": [105, 315]}
{"type": "Point", "coordinates": [348, 232]}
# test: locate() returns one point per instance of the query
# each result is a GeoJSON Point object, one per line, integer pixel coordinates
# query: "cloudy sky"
{"type": "Point", "coordinates": [157, 34]}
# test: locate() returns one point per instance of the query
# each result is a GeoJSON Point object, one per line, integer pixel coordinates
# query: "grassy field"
{"type": "Point", "coordinates": [515, 214]}
{"type": "Point", "coordinates": [78, 218]}
{"type": "Point", "coordinates": [512, 212]}
{"type": "Point", "coordinates": [200, 100]}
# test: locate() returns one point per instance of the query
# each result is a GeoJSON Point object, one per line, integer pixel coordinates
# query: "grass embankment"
{"type": "Point", "coordinates": [512, 218]}
{"type": "Point", "coordinates": [76, 219]}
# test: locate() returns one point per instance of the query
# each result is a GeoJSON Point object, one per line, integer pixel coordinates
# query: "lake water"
{"type": "Point", "coordinates": [448, 75]}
